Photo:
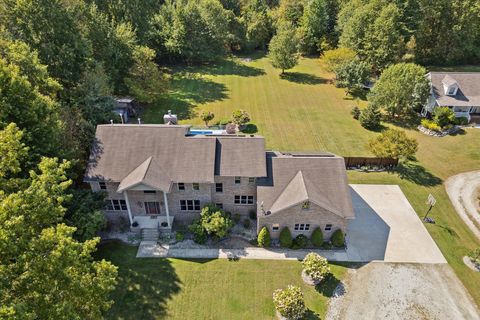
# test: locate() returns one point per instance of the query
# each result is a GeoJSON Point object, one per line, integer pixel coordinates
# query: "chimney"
{"type": "Point", "coordinates": [170, 118]}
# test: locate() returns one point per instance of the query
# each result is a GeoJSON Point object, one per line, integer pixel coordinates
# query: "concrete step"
{"type": "Point", "coordinates": [150, 234]}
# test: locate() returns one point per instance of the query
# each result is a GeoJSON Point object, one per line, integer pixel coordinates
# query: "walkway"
{"type": "Point", "coordinates": [386, 228]}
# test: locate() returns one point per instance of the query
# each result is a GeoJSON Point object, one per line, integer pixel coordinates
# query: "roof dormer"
{"type": "Point", "coordinates": [450, 85]}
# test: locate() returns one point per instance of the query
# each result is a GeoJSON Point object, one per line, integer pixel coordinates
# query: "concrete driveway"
{"type": "Point", "coordinates": [386, 228]}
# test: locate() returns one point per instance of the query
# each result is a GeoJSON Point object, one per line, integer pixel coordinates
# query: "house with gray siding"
{"type": "Point", "coordinates": [459, 91]}
{"type": "Point", "coordinates": [156, 176]}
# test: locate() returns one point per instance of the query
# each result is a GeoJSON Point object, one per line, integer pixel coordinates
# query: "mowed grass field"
{"type": "Point", "coordinates": [304, 111]}
{"type": "Point", "coordinates": [206, 289]}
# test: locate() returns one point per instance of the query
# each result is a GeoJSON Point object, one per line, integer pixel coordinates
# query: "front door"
{"type": "Point", "coordinates": [152, 207]}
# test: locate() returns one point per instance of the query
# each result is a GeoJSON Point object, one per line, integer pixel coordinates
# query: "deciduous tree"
{"type": "Point", "coordinates": [395, 144]}
{"type": "Point", "coordinates": [400, 89]}
{"type": "Point", "coordinates": [283, 48]}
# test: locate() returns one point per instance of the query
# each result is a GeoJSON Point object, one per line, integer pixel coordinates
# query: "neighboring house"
{"type": "Point", "coordinates": [124, 108]}
{"type": "Point", "coordinates": [156, 175]}
{"type": "Point", "coordinates": [459, 91]}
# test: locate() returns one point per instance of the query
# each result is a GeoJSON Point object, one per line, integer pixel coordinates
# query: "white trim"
{"type": "Point", "coordinates": [167, 212]}
{"type": "Point", "coordinates": [125, 195]}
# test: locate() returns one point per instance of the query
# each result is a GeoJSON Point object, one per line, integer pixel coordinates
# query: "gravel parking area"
{"type": "Point", "coordinates": [402, 291]}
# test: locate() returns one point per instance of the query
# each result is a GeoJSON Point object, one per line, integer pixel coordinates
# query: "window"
{"type": "Point", "coordinates": [306, 205]}
{"type": "Point", "coordinates": [108, 205]}
{"type": "Point", "coordinates": [275, 227]}
{"type": "Point", "coordinates": [152, 207]}
{"type": "Point", "coordinates": [251, 180]}
{"type": "Point", "coordinates": [302, 227]}
{"type": "Point", "coordinates": [116, 205]}
{"type": "Point", "coordinates": [219, 187]}
{"type": "Point", "coordinates": [238, 180]}
{"type": "Point", "coordinates": [195, 186]}
{"type": "Point", "coordinates": [328, 227]}
{"type": "Point", "coordinates": [219, 205]}
{"type": "Point", "coordinates": [243, 199]}
{"type": "Point", "coordinates": [181, 186]}
{"type": "Point", "coordinates": [451, 91]}
{"type": "Point", "coordinates": [190, 205]}
{"type": "Point", "coordinates": [149, 191]}
{"type": "Point", "coordinates": [102, 185]}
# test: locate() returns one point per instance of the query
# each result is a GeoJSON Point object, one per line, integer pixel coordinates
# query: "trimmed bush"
{"type": "Point", "coordinates": [355, 112]}
{"type": "Point", "coordinates": [264, 238]}
{"type": "Point", "coordinates": [300, 241]}
{"type": "Point", "coordinates": [430, 125]}
{"type": "Point", "coordinates": [370, 117]}
{"type": "Point", "coordinates": [315, 266]}
{"type": "Point", "coordinates": [246, 223]}
{"type": "Point", "coordinates": [252, 214]}
{"type": "Point", "coordinates": [443, 116]}
{"type": "Point", "coordinates": [289, 302]}
{"type": "Point", "coordinates": [286, 238]}
{"type": "Point", "coordinates": [474, 256]}
{"type": "Point", "coordinates": [236, 218]}
{"type": "Point", "coordinates": [338, 239]}
{"type": "Point", "coordinates": [461, 121]}
{"type": "Point", "coordinates": [317, 238]}
{"type": "Point", "coordinates": [179, 236]}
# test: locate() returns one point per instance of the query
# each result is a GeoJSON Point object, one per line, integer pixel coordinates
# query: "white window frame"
{"type": "Point", "coordinates": [181, 186]}
{"type": "Point", "coordinates": [102, 185]}
{"type": "Point", "coordinates": [217, 185]}
{"type": "Point", "coordinates": [301, 227]}
{"type": "Point", "coordinates": [275, 227]}
{"type": "Point", "coordinates": [116, 205]}
{"type": "Point", "coordinates": [195, 186]}
{"type": "Point", "coordinates": [328, 227]}
{"type": "Point", "coordinates": [238, 180]}
{"type": "Point", "coordinates": [190, 205]}
{"type": "Point", "coordinates": [243, 200]}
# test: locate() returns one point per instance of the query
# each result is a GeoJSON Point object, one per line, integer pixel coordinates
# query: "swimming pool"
{"type": "Point", "coordinates": [205, 132]}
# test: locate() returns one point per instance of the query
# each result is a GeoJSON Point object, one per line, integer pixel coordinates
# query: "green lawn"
{"type": "Point", "coordinates": [206, 289]}
{"type": "Point", "coordinates": [303, 111]}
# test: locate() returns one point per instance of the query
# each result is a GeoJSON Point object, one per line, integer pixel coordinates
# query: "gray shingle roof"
{"type": "Point", "coordinates": [468, 93]}
{"type": "Point", "coordinates": [293, 178]}
{"type": "Point", "coordinates": [121, 153]}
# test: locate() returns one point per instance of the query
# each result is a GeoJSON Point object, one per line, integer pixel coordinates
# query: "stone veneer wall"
{"type": "Point", "coordinates": [315, 216]}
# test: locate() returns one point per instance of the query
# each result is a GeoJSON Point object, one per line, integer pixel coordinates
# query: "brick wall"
{"type": "Point", "coordinates": [315, 216]}
{"type": "Point", "coordinates": [230, 189]}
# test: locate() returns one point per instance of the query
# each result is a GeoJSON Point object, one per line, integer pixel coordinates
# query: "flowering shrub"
{"type": "Point", "coordinates": [431, 125]}
{"type": "Point", "coordinates": [315, 266]}
{"type": "Point", "coordinates": [289, 302]}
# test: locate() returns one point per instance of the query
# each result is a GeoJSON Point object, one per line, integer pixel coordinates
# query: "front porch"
{"type": "Point", "coordinates": [151, 222]}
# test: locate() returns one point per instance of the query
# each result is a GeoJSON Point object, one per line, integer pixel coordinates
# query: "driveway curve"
{"type": "Point", "coordinates": [463, 190]}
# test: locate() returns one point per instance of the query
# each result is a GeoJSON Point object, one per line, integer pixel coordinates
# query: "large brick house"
{"type": "Point", "coordinates": [158, 175]}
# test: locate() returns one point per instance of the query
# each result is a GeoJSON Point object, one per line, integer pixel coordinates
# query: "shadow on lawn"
{"type": "Point", "coordinates": [328, 285]}
{"type": "Point", "coordinates": [302, 78]}
{"type": "Point", "coordinates": [144, 285]}
{"type": "Point", "coordinates": [417, 174]}
{"type": "Point", "coordinates": [226, 67]}
{"type": "Point", "coordinates": [186, 91]}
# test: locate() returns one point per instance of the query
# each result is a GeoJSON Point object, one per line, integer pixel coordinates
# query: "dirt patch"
{"type": "Point", "coordinates": [403, 291]}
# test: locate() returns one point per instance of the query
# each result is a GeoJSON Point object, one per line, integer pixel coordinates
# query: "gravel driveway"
{"type": "Point", "coordinates": [403, 291]}
{"type": "Point", "coordinates": [463, 192]}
